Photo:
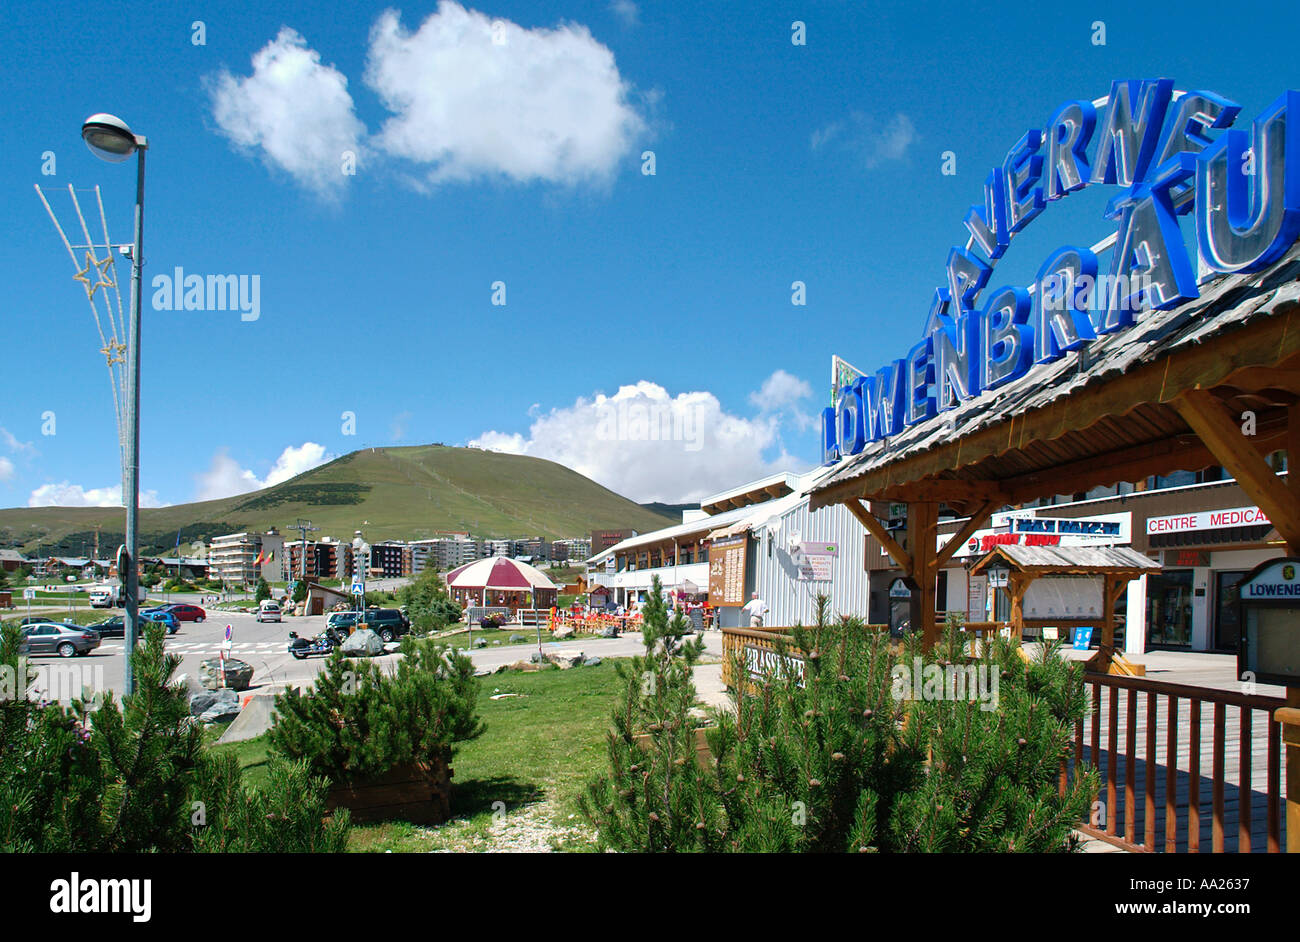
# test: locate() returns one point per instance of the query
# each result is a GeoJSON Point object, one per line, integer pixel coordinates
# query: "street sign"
{"type": "Point", "coordinates": [29, 594]}
{"type": "Point", "coordinates": [356, 588]}
{"type": "Point", "coordinates": [228, 641]}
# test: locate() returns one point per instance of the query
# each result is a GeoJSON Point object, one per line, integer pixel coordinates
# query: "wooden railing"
{"type": "Point", "coordinates": [735, 640]}
{"type": "Point", "coordinates": [1153, 802]}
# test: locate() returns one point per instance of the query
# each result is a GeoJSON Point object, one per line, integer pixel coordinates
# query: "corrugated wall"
{"type": "Point", "coordinates": [776, 577]}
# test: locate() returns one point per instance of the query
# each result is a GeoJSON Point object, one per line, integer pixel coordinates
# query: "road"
{"type": "Point", "coordinates": [263, 645]}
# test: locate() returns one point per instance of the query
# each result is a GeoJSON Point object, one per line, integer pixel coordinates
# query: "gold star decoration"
{"type": "Point", "coordinates": [105, 279]}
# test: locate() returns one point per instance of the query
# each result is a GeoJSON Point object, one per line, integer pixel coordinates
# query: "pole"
{"type": "Point", "coordinates": [130, 579]}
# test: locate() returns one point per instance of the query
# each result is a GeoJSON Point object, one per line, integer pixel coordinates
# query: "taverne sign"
{"type": "Point", "coordinates": [1242, 190]}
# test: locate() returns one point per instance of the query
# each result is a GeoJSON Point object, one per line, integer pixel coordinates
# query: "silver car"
{"type": "Point", "coordinates": [56, 638]}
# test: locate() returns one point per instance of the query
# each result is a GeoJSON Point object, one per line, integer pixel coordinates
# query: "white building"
{"type": "Point", "coordinates": [759, 537]}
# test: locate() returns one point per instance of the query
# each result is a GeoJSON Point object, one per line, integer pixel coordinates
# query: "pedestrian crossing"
{"type": "Point", "coordinates": [209, 647]}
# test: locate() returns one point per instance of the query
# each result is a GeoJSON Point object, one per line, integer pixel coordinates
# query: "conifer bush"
{"type": "Point", "coordinates": [835, 748]}
{"type": "Point", "coordinates": [357, 721]}
{"type": "Point", "coordinates": [133, 776]}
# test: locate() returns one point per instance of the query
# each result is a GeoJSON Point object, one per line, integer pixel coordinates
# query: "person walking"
{"type": "Point", "coordinates": [755, 608]}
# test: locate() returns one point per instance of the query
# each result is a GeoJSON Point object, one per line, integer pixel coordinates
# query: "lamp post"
{"type": "Point", "coordinates": [360, 563]}
{"type": "Point", "coordinates": [110, 139]}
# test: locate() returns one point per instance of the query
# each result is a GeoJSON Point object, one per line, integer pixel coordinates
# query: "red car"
{"type": "Point", "coordinates": [184, 612]}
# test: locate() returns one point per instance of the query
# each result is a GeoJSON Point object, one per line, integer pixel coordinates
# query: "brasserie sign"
{"type": "Point", "coordinates": [1241, 188]}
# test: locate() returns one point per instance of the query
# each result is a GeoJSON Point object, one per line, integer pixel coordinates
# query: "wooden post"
{"type": "Point", "coordinates": [922, 518]}
{"type": "Point", "coordinates": [1289, 717]}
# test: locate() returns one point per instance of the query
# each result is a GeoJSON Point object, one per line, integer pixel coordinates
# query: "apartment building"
{"type": "Point", "coordinates": [243, 558]}
{"type": "Point", "coordinates": [325, 559]}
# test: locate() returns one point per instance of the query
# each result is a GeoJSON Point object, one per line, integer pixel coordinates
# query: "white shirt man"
{"type": "Point", "coordinates": [755, 609]}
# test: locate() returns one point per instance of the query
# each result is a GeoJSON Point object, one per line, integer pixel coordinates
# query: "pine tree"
{"type": "Point", "coordinates": [834, 748]}
{"type": "Point", "coordinates": [656, 796]}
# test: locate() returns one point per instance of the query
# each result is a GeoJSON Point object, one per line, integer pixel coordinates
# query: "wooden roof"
{"type": "Point", "coordinates": [1070, 560]}
{"type": "Point", "coordinates": [1104, 414]}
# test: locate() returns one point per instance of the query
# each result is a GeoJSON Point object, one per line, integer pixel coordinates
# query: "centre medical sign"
{"type": "Point", "coordinates": [1242, 189]}
{"type": "Point", "coordinates": [1207, 520]}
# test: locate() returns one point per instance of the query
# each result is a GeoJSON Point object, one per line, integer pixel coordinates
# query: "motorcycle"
{"type": "Point", "coordinates": [320, 646]}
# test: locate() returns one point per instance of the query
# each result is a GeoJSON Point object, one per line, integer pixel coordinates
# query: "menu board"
{"type": "Point", "coordinates": [727, 571]}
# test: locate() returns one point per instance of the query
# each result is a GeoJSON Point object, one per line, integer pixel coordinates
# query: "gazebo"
{"type": "Point", "coordinates": [501, 582]}
{"type": "Point", "coordinates": [1110, 566]}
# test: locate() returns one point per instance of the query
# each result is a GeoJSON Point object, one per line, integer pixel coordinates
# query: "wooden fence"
{"type": "Point", "coordinates": [1183, 768]}
{"type": "Point", "coordinates": [1160, 789]}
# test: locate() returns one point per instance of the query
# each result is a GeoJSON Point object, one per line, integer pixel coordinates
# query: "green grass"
{"type": "Point", "coordinates": [540, 746]}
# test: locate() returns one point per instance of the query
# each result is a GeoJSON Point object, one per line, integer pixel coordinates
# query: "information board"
{"type": "Point", "coordinates": [727, 571]}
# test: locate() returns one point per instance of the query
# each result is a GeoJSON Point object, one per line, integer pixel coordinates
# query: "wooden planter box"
{"type": "Point", "coordinates": [418, 793]}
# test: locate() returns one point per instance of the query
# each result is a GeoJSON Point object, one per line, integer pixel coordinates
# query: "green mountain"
{"type": "Point", "coordinates": [388, 493]}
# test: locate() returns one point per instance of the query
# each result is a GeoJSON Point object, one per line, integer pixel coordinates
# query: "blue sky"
{"type": "Point", "coordinates": [774, 163]}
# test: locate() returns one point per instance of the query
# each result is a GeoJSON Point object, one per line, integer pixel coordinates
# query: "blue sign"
{"type": "Point", "coordinates": [356, 588]}
{"type": "Point", "coordinates": [1082, 639]}
{"type": "Point", "coordinates": [1242, 190]}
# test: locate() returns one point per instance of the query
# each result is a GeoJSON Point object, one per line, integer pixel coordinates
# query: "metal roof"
{"type": "Point", "coordinates": [1226, 303]}
{"type": "Point", "coordinates": [1071, 557]}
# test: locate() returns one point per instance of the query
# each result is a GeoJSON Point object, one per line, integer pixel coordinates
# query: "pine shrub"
{"type": "Point", "coordinates": [357, 721]}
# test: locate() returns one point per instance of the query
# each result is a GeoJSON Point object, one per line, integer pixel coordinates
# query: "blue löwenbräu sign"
{"type": "Point", "coordinates": [1243, 189]}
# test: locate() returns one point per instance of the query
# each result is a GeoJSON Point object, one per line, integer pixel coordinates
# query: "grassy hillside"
{"type": "Point", "coordinates": [389, 493]}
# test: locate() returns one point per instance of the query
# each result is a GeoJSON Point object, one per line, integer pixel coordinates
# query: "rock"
{"type": "Point", "coordinates": [480, 643]}
{"type": "Point", "coordinates": [392, 647]}
{"type": "Point", "coordinates": [564, 631]}
{"type": "Point", "coordinates": [591, 662]}
{"type": "Point", "coordinates": [224, 706]}
{"type": "Point", "coordinates": [565, 661]}
{"type": "Point", "coordinates": [535, 657]}
{"type": "Point", "coordinates": [199, 702]}
{"type": "Point", "coordinates": [238, 676]}
{"type": "Point", "coordinates": [363, 643]}
{"type": "Point", "coordinates": [496, 643]}
{"type": "Point", "coordinates": [518, 639]}
{"type": "Point", "coordinates": [609, 632]}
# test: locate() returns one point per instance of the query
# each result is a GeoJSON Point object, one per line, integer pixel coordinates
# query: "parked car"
{"type": "Point", "coordinates": [268, 611]}
{"type": "Point", "coordinates": [165, 618]}
{"type": "Point", "coordinates": [341, 623]}
{"type": "Point", "coordinates": [389, 623]}
{"type": "Point", "coordinates": [186, 612]}
{"type": "Point", "coordinates": [114, 627]}
{"type": "Point", "coordinates": [56, 638]}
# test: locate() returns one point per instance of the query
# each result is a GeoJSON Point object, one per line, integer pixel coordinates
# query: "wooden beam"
{"type": "Point", "coordinates": [1238, 454]}
{"type": "Point", "coordinates": [868, 520]}
{"type": "Point", "coordinates": [922, 528]}
{"type": "Point", "coordinates": [977, 520]}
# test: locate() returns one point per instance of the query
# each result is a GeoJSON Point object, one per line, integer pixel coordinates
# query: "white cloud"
{"type": "Point", "coordinates": [476, 97]}
{"type": "Point", "coordinates": [780, 390]}
{"type": "Point", "coordinates": [870, 142]}
{"type": "Point", "coordinates": [14, 445]}
{"type": "Point", "coordinates": [6, 469]}
{"type": "Point", "coordinates": [65, 494]}
{"type": "Point", "coordinates": [648, 445]}
{"type": "Point", "coordinates": [293, 109]}
{"type": "Point", "coordinates": [626, 11]}
{"type": "Point", "coordinates": [225, 477]}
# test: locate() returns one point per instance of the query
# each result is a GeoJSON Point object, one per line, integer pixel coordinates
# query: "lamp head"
{"type": "Point", "coordinates": [109, 138]}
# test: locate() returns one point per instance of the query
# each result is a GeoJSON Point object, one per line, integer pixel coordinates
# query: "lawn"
{"type": "Point", "coordinates": [541, 747]}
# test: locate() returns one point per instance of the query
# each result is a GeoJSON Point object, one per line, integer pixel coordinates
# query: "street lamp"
{"type": "Point", "coordinates": [109, 138]}
{"type": "Point", "coordinates": [360, 563]}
